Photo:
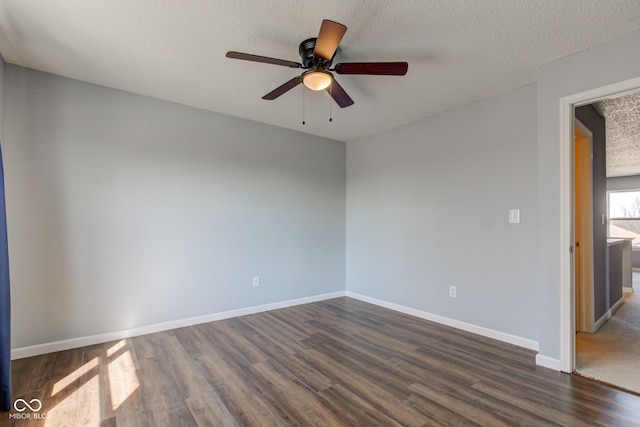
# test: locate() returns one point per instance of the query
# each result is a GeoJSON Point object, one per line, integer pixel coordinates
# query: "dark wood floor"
{"type": "Point", "coordinates": [332, 363]}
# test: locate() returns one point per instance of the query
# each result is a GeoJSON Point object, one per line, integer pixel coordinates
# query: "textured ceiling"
{"type": "Point", "coordinates": [458, 51]}
{"type": "Point", "coordinates": [622, 118]}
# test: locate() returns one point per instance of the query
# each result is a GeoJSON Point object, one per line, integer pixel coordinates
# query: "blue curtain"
{"type": "Point", "coordinates": [5, 304]}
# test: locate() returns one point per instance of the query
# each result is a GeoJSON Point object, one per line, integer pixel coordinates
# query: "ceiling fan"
{"type": "Point", "coordinates": [317, 56]}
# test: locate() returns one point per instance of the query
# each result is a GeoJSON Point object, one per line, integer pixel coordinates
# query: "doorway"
{"type": "Point", "coordinates": [572, 299]}
{"type": "Point", "coordinates": [607, 340]}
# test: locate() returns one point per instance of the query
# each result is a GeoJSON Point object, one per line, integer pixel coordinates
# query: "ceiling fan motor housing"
{"type": "Point", "coordinates": [309, 60]}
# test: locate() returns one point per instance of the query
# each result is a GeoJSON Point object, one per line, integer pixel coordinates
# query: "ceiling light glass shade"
{"type": "Point", "coordinates": [317, 79]}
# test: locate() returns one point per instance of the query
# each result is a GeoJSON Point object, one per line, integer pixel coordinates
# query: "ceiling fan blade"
{"type": "Point", "coordinates": [265, 59]}
{"type": "Point", "coordinates": [282, 89]}
{"type": "Point", "coordinates": [328, 39]}
{"type": "Point", "coordinates": [339, 95]}
{"type": "Point", "coordinates": [373, 68]}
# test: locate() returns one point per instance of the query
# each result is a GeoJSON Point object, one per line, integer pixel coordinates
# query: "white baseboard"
{"type": "Point", "coordinates": [603, 319]}
{"type": "Point", "coordinates": [35, 350]}
{"type": "Point", "coordinates": [479, 330]}
{"type": "Point", "coordinates": [548, 362]}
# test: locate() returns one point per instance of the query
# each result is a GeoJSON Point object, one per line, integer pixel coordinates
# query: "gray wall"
{"type": "Point", "coordinates": [126, 211]}
{"type": "Point", "coordinates": [602, 290]}
{"type": "Point", "coordinates": [620, 183]}
{"type": "Point", "coordinates": [427, 207]}
{"type": "Point", "coordinates": [607, 64]}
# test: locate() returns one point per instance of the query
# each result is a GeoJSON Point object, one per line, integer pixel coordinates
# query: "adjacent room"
{"type": "Point", "coordinates": [299, 213]}
{"type": "Point", "coordinates": [607, 328]}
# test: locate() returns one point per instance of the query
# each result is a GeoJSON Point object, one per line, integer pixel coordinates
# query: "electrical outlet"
{"type": "Point", "coordinates": [256, 281]}
{"type": "Point", "coordinates": [452, 291]}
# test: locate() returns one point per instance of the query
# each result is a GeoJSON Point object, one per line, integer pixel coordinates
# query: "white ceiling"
{"type": "Point", "coordinates": [458, 51]}
{"type": "Point", "coordinates": [622, 127]}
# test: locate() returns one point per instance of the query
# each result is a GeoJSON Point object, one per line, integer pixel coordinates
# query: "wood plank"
{"type": "Point", "coordinates": [208, 410]}
{"type": "Point", "coordinates": [299, 403]}
{"type": "Point", "coordinates": [243, 398]}
{"type": "Point", "coordinates": [378, 394]}
{"type": "Point", "coordinates": [352, 410]}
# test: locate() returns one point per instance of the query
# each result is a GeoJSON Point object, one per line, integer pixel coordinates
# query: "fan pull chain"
{"type": "Point", "coordinates": [303, 122]}
{"type": "Point", "coordinates": [331, 102]}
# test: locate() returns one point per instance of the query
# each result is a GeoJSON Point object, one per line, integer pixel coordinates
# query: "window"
{"type": "Point", "coordinates": [624, 215]}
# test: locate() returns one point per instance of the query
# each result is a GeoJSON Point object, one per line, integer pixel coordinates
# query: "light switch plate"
{"type": "Point", "coordinates": [514, 216]}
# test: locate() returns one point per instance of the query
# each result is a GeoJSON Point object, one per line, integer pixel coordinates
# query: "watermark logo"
{"type": "Point", "coordinates": [33, 405]}
{"type": "Point", "coordinates": [21, 405]}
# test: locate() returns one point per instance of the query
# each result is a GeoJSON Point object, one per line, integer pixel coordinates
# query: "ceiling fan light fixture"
{"type": "Point", "coordinates": [317, 79]}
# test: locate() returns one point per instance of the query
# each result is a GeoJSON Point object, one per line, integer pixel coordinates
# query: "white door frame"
{"type": "Point", "coordinates": [567, 300]}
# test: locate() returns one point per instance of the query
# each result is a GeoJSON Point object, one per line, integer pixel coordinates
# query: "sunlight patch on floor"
{"type": "Point", "coordinates": [93, 392]}
{"type": "Point", "coordinates": [123, 380]}
{"type": "Point", "coordinates": [117, 346]}
{"type": "Point", "coordinates": [74, 376]}
{"type": "Point", "coordinates": [82, 407]}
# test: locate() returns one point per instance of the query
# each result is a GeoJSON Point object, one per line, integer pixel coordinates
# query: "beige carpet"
{"type": "Point", "coordinates": [612, 355]}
